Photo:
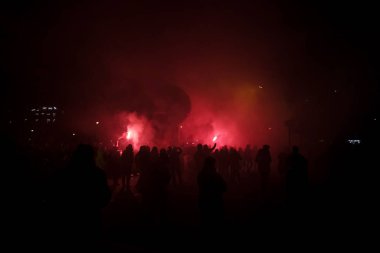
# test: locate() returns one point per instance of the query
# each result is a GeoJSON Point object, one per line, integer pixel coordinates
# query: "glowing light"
{"type": "Point", "coordinates": [269, 128]}
{"type": "Point", "coordinates": [73, 134]}
{"type": "Point", "coordinates": [354, 141]}
{"type": "Point", "coordinates": [129, 135]}
{"type": "Point", "coordinates": [97, 122]}
{"type": "Point", "coordinates": [31, 130]}
{"type": "Point", "coordinates": [260, 87]}
{"type": "Point", "coordinates": [215, 138]}
{"type": "Point", "coordinates": [180, 126]}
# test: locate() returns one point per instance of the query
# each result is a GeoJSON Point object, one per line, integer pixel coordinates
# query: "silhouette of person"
{"type": "Point", "coordinates": [224, 160]}
{"type": "Point", "coordinates": [175, 164]}
{"type": "Point", "coordinates": [235, 164]}
{"type": "Point", "coordinates": [127, 158]}
{"type": "Point", "coordinates": [248, 159]}
{"type": "Point", "coordinates": [154, 188]}
{"type": "Point", "coordinates": [161, 179]}
{"type": "Point", "coordinates": [211, 188]}
{"type": "Point", "coordinates": [199, 157]}
{"type": "Point", "coordinates": [207, 151]}
{"type": "Point", "coordinates": [114, 166]}
{"type": "Point", "coordinates": [263, 160]}
{"type": "Point", "coordinates": [81, 192]}
{"type": "Point", "coordinates": [296, 177]}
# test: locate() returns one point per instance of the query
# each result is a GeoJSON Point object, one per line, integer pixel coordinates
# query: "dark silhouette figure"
{"type": "Point", "coordinates": [296, 177]}
{"type": "Point", "coordinates": [81, 193]}
{"type": "Point", "coordinates": [161, 179]}
{"type": "Point", "coordinates": [127, 158]}
{"type": "Point", "coordinates": [153, 189]}
{"type": "Point", "coordinates": [248, 158]}
{"type": "Point", "coordinates": [211, 188]}
{"type": "Point", "coordinates": [263, 160]}
{"type": "Point", "coordinates": [199, 158]}
{"type": "Point", "coordinates": [224, 160]}
{"type": "Point", "coordinates": [175, 164]}
{"type": "Point", "coordinates": [114, 166]}
{"type": "Point", "coordinates": [207, 150]}
{"type": "Point", "coordinates": [235, 163]}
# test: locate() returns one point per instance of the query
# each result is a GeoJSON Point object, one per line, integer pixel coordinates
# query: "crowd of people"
{"type": "Point", "coordinates": [76, 184]}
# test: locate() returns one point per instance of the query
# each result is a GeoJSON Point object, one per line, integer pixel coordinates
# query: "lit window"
{"type": "Point", "coordinates": [44, 108]}
{"type": "Point", "coordinates": [50, 108]}
{"type": "Point", "coordinates": [47, 120]}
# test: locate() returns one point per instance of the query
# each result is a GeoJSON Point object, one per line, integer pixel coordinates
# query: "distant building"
{"type": "Point", "coordinates": [43, 114]}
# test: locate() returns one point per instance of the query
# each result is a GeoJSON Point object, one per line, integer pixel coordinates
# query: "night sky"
{"type": "Point", "coordinates": [318, 62]}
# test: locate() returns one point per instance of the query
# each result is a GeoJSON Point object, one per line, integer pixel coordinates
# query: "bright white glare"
{"type": "Point", "coordinates": [354, 141]}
